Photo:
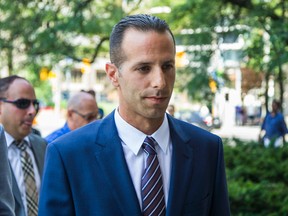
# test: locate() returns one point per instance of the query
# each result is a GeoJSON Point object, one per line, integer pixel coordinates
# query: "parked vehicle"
{"type": "Point", "coordinates": [194, 117]}
{"type": "Point", "coordinates": [217, 122]}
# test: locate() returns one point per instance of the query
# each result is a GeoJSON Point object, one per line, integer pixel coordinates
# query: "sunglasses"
{"type": "Point", "coordinates": [88, 117]}
{"type": "Point", "coordinates": [23, 103]}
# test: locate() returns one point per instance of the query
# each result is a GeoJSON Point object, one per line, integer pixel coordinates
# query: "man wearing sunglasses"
{"type": "Point", "coordinates": [81, 109]}
{"type": "Point", "coordinates": [26, 151]}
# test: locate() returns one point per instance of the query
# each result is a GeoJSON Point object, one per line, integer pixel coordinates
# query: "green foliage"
{"type": "Point", "coordinates": [42, 88]}
{"type": "Point", "coordinates": [198, 86]}
{"type": "Point", "coordinates": [44, 32]}
{"type": "Point", "coordinates": [196, 14]}
{"type": "Point", "coordinates": [257, 178]}
{"type": "Point", "coordinates": [107, 107]}
{"type": "Point", "coordinates": [255, 50]}
{"type": "Point", "coordinates": [255, 17]}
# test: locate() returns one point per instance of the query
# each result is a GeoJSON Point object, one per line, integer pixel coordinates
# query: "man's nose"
{"type": "Point", "coordinates": [158, 78]}
{"type": "Point", "coordinates": [32, 109]}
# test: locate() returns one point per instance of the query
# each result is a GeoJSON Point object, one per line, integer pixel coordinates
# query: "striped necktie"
{"type": "Point", "coordinates": [29, 179]}
{"type": "Point", "coordinates": [153, 200]}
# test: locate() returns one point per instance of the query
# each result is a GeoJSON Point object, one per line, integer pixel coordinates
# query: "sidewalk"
{"type": "Point", "coordinates": [249, 133]}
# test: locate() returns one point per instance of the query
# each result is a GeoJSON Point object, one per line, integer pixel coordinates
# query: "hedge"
{"type": "Point", "coordinates": [257, 178]}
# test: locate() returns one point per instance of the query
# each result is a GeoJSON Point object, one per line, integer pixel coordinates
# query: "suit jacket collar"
{"type": "Point", "coordinates": [19, 207]}
{"type": "Point", "coordinates": [181, 173]}
{"type": "Point", "coordinates": [37, 149]}
{"type": "Point", "coordinates": [111, 159]}
{"type": "Point", "coordinates": [35, 144]}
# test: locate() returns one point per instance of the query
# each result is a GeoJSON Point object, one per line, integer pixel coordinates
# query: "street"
{"type": "Point", "coordinates": [248, 133]}
{"type": "Point", "coordinates": [49, 120]}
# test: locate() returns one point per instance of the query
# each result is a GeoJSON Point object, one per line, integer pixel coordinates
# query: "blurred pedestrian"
{"type": "Point", "coordinates": [273, 127]}
{"type": "Point", "coordinates": [171, 110]}
{"type": "Point", "coordinates": [81, 110]}
{"type": "Point", "coordinates": [100, 110]}
{"type": "Point", "coordinates": [138, 160]}
{"type": "Point", "coordinates": [26, 151]}
{"type": "Point", "coordinates": [7, 203]}
{"type": "Point", "coordinates": [239, 116]}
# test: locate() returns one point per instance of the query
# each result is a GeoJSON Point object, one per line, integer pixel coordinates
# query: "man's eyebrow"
{"type": "Point", "coordinates": [170, 61]}
{"type": "Point", "coordinates": [139, 64]}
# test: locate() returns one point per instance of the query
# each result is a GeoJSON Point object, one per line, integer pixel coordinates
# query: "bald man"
{"type": "Point", "coordinates": [81, 110]}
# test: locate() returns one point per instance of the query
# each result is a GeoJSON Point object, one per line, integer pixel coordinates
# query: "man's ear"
{"type": "Point", "coordinates": [0, 108]}
{"type": "Point", "coordinates": [111, 71]}
{"type": "Point", "coordinates": [69, 113]}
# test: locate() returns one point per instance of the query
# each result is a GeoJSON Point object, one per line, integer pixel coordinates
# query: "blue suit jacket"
{"type": "Point", "coordinates": [85, 173]}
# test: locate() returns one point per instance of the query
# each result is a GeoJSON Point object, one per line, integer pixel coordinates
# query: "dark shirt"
{"type": "Point", "coordinates": [54, 135]}
{"type": "Point", "coordinates": [274, 126]}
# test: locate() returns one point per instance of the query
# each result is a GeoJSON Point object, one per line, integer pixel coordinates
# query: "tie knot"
{"type": "Point", "coordinates": [149, 145]}
{"type": "Point", "coordinates": [22, 145]}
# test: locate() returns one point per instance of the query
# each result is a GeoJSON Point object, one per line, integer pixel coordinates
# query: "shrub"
{"type": "Point", "coordinates": [257, 178]}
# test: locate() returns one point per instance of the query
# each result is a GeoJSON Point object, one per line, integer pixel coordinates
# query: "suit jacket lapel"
{"type": "Point", "coordinates": [181, 170]}
{"type": "Point", "coordinates": [38, 151]}
{"type": "Point", "coordinates": [113, 163]}
{"type": "Point", "coordinates": [19, 207]}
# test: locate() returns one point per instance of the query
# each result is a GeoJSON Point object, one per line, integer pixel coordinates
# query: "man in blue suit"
{"type": "Point", "coordinates": [99, 169]}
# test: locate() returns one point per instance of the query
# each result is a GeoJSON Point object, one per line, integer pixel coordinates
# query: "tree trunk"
{"type": "Point", "coordinates": [281, 85]}
{"type": "Point", "coordinates": [10, 61]}
{"type": "Point", "coordinates": [267, 74]}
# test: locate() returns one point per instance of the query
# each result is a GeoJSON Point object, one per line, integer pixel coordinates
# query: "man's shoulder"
{"type": "Point", "coordinates": [35, 137]}
{"type": "Point", "coordinates": [83, 134]}
{"type": "Point", "coordinates": [37, 142]}
{"type": "Point", "coordinates": [57, 133]}
{"type": "Point", "coordinates": [280, 115]}
{"type": "Point", "coordinates": [77, 141]}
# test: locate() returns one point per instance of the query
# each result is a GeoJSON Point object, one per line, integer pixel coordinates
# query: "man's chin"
{"type": "Point", "coordinates": [26, 130]}
{"type": "Point", "coordinates": [157, 113]}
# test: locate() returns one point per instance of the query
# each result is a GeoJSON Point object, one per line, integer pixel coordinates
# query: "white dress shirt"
{"type": "Point", "coordinates": [14, 156]}
{"type": "Point", "coordinates": [132, 140]}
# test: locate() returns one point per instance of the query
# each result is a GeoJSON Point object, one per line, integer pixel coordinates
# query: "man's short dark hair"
{"type": "Point", "coordinates": [277, 102]}
{"type": "Point", "coordinates": [140, 22]}
{"type": "Point", "coordinates": [6, 82]}
{"type": "Point", "coordinates": [90, 91]}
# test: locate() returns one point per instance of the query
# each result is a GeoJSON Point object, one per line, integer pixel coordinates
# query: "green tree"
{"type": "Point", "coordinates": [204, 17]}
{"type": "Point", "coordinates": [44, 32]}
{"type": "Point", "coordinates": [268, 46]}
{"type": "Point", "coordinates": [196, 30]}
{"type": "Point", "coordinates": [36, 34]}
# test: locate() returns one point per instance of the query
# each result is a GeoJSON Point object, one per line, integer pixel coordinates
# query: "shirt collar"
{"type": "Point", "coordinates": [66, 127]}
{"type": "Point", "coordinates": [10, 139]}
{"type": "Point", "coordinates": [134, 138]}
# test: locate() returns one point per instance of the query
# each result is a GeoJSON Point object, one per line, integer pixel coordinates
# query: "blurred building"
{"type": "Point", "coordinates": [244, 87]}
{"type": "Point", "coordinates": [69, 77]}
